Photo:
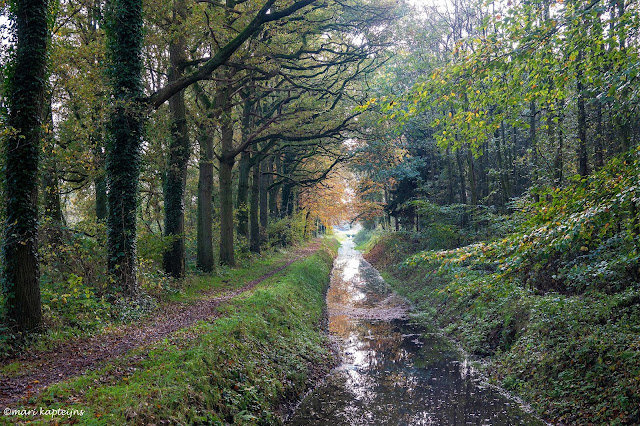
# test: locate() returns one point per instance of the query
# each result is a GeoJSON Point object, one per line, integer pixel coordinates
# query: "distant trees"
{"type": "Point", "coordinates": [503, 100]}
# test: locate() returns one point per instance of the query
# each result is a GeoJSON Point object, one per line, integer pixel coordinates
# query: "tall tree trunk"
{"type": "Point", "coordinates": [463, 188]}
{"type": "Point", "coordinates": [473, 184]}
{"type": "Point", "coordinates": [264, 194]}
{"type": "Point", "coordinates": [205, 260]}
{"type": "Point", "coordinates": [125, 130]}
{"type": "Point", "coordinates": [254, 220]}
{"type": "Point", "coordinates": [244, 169]}
{"type": "Point", "coordinates": [227, 161]}
{"type": "Point", "coordinates": [275, 190]}
{"type": "Point", "coordinates": [51, 193]}
{"type": "Point", "coordinates": [21, 284]}
{"type": "Point", "coordinates": [499, 138]}
{"type": "Point", "coordinates": [242, 196]}
{"type": "Point", "coordinates": [558, 163]}
{"type": "Point", "coordinates": [583, 169]}
{"type": "Point", "coordinates": [50, 184]}
{"type": "Point", "coordinates": [179, 150]}
{"type": "Point", "coordinates": [551, 131]}
{"type": "Point", "coordinates": [450, 180]}
{"type": "Point", "coordinates": [533, 144]}
{"type": "Point", "coordinates": [286, 205]}
{"type": "Point", "coordinates": [227, 256]}
{"type": "Point", "coordinates": [100, 184]}
{"type": "Point", "coordinates": [96, 136]}
{"type": "Point", "coordinates": [599, 139]}
{"type": "Point", "coordinates": [520, 173]}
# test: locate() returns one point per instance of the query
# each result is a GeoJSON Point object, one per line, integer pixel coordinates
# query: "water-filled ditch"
{"type": "Point", "coordinates": [392, 371]}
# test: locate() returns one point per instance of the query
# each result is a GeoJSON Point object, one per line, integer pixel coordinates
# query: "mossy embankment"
{"type": "Point", "coordinates": [552, 307]}
{"type": "Point", "coordinates": [576, 358]}
{"type": "Point", "coordinates": [266, 348]}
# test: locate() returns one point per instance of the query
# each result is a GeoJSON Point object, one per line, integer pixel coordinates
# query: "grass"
{"type": "Point", "coordinates": [73, 308]}
{"type": "Point", "coordinates": [553, 305]}
{"type": "Point", "coordinates": [236, 369]}
{"type": "Point", "coordinates": [575, 357]}
{"type": "Point", "coordinates": [225, 278]}
{"type": "Point", "coordinates": [366, 239]}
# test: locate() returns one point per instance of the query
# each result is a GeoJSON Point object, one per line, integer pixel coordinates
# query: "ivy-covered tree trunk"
{"type": "Point", "coordinates": [205, 260]}
{"type": "Point", "coordinates": [254, 204]}
{"type": "Point", "coordinates": [179, 150]}
{"type": "Point", "coordinates": [25, 99]}
{"type": "Point", "coordinates": [124, 136]}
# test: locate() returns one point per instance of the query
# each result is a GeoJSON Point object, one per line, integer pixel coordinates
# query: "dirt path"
{"type": "Point", "coordinates": [73, 358]}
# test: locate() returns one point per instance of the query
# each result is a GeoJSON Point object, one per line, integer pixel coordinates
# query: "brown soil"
{"type": "Point", "coordinates": [72, 358]}
{"type": "Point", "coordinates": [377, 256]}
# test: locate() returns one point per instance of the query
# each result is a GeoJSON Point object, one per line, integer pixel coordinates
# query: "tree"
{"type": "Point", "coordinates": [124, 30]}
{"type": "Point", "coordinates": [179, 151]}
{"type": "Point", "coordinates": [125, 132]}
{"type": "Point", "coordinates": [25, 103]}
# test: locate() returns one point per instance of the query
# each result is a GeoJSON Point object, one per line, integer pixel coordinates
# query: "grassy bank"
{"type": "Point", "coordinates": [552, 305]}
{"type": "Point", "coordinates": [266, 348]}
{"type": "Point", "coordinates": [576, 358]}
{"type": "Point", "coordinates": [73, 309]}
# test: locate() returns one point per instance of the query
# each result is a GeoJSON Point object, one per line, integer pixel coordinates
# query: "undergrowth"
{"type": "Point", "coordinates": [554, 306]}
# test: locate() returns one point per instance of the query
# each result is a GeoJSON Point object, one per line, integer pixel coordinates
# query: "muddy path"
{"type": "Point", "coordinates": [37, 370]}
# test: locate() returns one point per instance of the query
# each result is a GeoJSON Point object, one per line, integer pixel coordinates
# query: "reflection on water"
{"type": "Point", "coordinates": [392, 372]}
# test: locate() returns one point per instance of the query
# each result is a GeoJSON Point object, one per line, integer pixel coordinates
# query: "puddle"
{"type": "Point", "coordinates": [394, 372]}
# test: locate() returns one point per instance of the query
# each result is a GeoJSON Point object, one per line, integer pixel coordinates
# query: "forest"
{"type": "Point", "coordinates": [161, 159]}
